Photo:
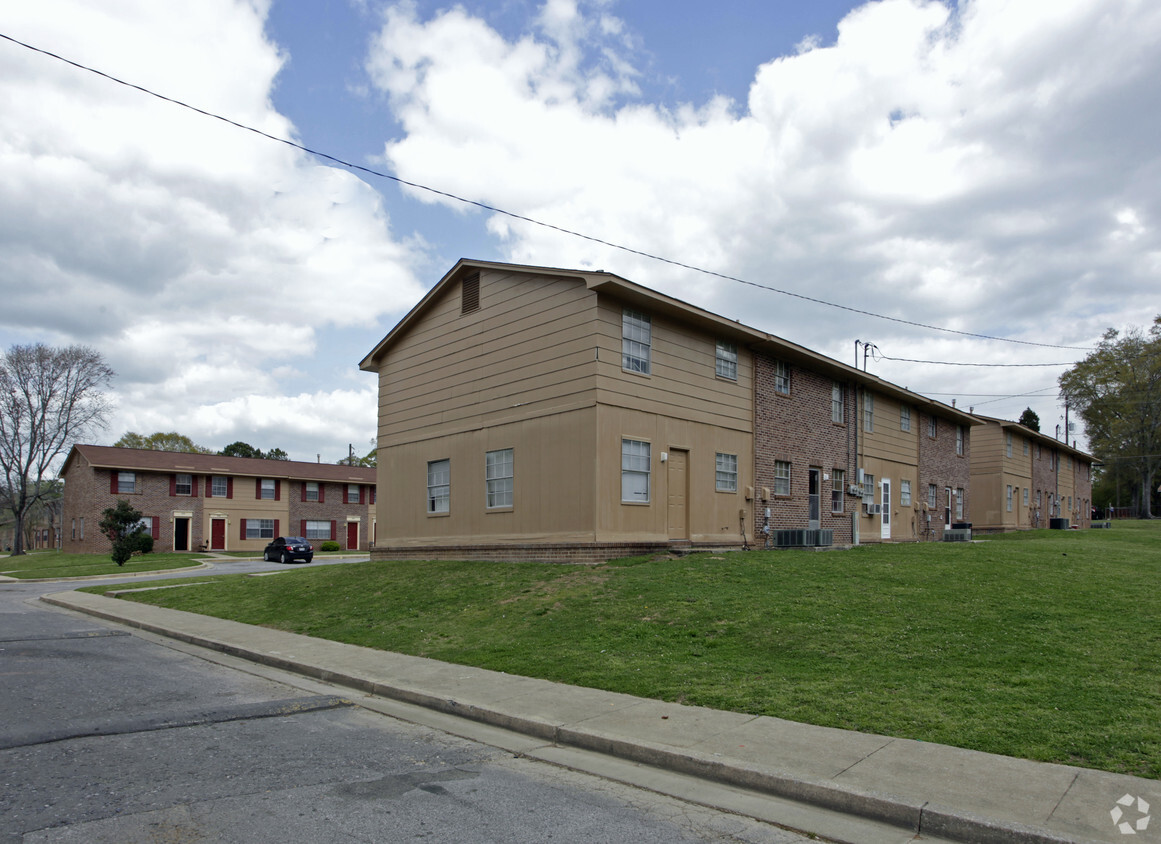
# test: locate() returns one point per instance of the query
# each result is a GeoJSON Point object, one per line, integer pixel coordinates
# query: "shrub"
{"type": "Point", "coordinates": [140, 542]}
{"type": "Point", "coordinates": [329, 545]}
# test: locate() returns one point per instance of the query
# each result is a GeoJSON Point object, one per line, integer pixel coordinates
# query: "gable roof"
{"type": "Point", "coordinates": [146, 460]}
{"type": "Point", "coordinates": [645, 298]}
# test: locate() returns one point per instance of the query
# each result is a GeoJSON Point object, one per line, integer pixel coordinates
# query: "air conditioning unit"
{"type": "Point", "coordinates": [873, 509]}
{"type": "Point", "coordinates": [855, 489]}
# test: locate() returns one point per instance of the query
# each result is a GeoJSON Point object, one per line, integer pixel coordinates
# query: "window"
{"type": "Point", "coordinates": [353, 494]}
{"type": "Point", "coordinates": [636, 339]}
{"type": "Point", "coordinates": [439, 486]}
{"type": "Point", "coordinates": [726, 364]}
{"type": "Point", "coordinates": [932, 426]}
{"type": "Point", "coordinates": [868, 412]}
{"type": "Point", "coordinates": [82, 521]}
{"type": "Point", "coordinates": [1008, 444]}
{"type": "Point", "coordinates": [220, 486]}
{"type": "Point", "coordinates": [266, 489]}
{"type": "Point", "coordinates": [905, 493]}
{"type": "Point", "coordinates": [1008, 498]}
{"type": "Point", "coordinates": [781, 477]}
{"type": "Point", "coordinates": [74, 528]}
{"type": "Point", "coordinates": [727, 472]}
{"type": "Point", "coordinates": [498, 474]}
{"type": "Point", "coordinates": [869, 486]}
{"type": "Point", "coordinates": [312, 495]}
{"type": "Point", "coordinates": [837, 408]}
{"type": "Point", "coordinates": [1039, 499]}
{"type": "Point", "coordinates": [1024, 445]}
{"type": "Point", "coordinates": [959, 440]}
{"type": "Point", "coordinates": [183, 485]}
{"type": "Point", "coordinates": [837, 489]}
{"type": "Point", "coordinates": [781, 378]}
{"type": "Point", "coordinates": [316, 530]}
{"type": "Point", "coordinates": [1025, 496]}
{"type": "Point", "coordinates": [259, 528]}
{"type": "Point", "coordinates": [126, 483]}
{"type": "Point", "coordinates": [959, 504]}
{"type": "Point", "coordinates": [904, 417]}
{"type": "Point", "coordinates": [1037, 451]}
{"type": "Point", "coordinates": [931, 496]}
{"type": "Point", "coordinates": [634, 471]}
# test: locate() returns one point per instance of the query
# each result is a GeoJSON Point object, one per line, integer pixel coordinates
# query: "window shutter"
{"type": "Point", "coordinates": [303, 497]}
{"type": "Point", "coordinates": [302, 528]}
{"type": "Point", "coordinates": [209, 487]}
{"type": "Point", "coordinates": [242, 535]}
{"type": "Point", "coordinates": [363, 494]}
{"type": "Point", "coordinates": [322, 492]}
{"type": "Point", "coordinates": [157, 527]}
{"type": "Point", "coordinates": [374, 492]}
{"type": "Point", "coordinates": [257, 487]}
{"type": "Point", "coordinates": [332, 529]}
{"type": "Point", "coordinates": [345, 488]}
{"type": "Point", "coordinates": [276, 527]}
{"type": "Point", "coordinates": [277, 491]}
{"type": "Point", "coordinates": [229, 487]}
{"type": "Point", "coordinates": [172, 485]}
{"type": "Point", "coordinates": [193, 479]}
{"type": "Point", "coordinates": [113, 482]}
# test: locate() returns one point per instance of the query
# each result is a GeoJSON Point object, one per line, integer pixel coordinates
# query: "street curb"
{"type": "Point", "coordinates": [919, 818]}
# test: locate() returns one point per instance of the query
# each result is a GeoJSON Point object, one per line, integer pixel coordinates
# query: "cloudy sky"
{"type": "Point", "coordinates": [991, 167]}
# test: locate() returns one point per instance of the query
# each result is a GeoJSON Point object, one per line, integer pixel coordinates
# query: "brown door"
{"type": "Point", "coordinates": [352, 536]}
{"type": "Point", "coordinates": [218, 534]}
{"type": "Point", "coordinates": [678, 482]}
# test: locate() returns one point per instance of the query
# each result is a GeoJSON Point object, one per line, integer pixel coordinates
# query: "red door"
{"type": "Point", "coordinates": [218, 534]}
{"type": "Point", "coordinates": [352, 536]}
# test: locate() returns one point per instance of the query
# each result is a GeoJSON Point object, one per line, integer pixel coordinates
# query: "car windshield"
{"type": "Point", "coordinates": [295, 540]}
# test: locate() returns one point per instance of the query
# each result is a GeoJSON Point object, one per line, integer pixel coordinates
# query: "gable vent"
{"type": "Point", "coordinates": [470, 294]}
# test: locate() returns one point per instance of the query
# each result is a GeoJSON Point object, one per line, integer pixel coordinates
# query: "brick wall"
{"type": "Point", "coordinates": [580, 553]}
{"type": "Point", "coordinates": [331, 509]}
{"type": "Point", "coordinates": [798, 428]}
{"type": "Point", "coordinates": [940, 465]}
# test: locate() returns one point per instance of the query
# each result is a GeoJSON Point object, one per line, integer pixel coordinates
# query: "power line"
{"type": "Point", "coordinates": [495, 210]}
{"type": "Point", "coordinates": [882, 356]}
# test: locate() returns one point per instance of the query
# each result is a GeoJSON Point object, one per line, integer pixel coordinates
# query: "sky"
{"type": "Point", "coordinates": [916, 175]}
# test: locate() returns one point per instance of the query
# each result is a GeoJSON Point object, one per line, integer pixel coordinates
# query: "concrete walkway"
{"type": "Point", "coordinates": [931, 791]}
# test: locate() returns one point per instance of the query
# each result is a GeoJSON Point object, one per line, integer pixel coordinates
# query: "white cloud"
{"type": "Point", "coordinates": [966, 167]}
{"type": "Point", "coordinates": [201, 260]}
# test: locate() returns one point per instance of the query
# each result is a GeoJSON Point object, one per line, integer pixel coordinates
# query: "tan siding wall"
{"type": "Point", "coordinates": [529, 349]}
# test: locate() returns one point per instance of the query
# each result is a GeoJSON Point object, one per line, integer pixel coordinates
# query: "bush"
{"type": "Point", "coordinates": [329, 545]}
{"type": "Point", "coordinates": [141, 542]}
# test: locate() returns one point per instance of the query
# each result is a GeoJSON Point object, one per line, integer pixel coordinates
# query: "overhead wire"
{"type": "Point", "coordinates": [496, 210]}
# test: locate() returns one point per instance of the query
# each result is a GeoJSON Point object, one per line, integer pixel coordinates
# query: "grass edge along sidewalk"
{"type": "Point", "coordinates": [1040, 645]}
{"type": "Point", "coordinates": [40, 565]}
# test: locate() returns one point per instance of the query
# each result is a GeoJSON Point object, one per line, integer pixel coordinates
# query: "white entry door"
{"type": "Point", "coordinates": [885, 521]}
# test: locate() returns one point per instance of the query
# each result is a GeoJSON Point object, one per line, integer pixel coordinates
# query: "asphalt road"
{"type": "Point", "coordinates": [108, 736]}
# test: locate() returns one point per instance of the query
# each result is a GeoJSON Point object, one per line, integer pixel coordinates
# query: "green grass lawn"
{"type": "Point", "coordinates": [1044, 645]}
{"type": "Point", "coordinates": [57, 564]}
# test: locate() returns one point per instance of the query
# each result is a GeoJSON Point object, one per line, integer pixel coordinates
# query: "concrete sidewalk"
{"type": "Point", "coordinates": [933, 791]}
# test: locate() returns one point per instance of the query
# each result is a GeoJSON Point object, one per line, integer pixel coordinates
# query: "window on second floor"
{"type": "Point", "coordinates": [904, 417]}
{"type": "Point", "coordinates": [126, 483]}
{"type": "Point", "coordinates": [869, 412]}
{"type": "Point", "coordinates": [726, 360]}
{"type": "Point", "coordinates": [837, 403]}
{"type": "Point", "coordinates": [183, 485]}
{"type": "Point", "coordinates": [353, 494]}
{"type": "Point", "coordinates": [781, 378]}
{"type": "Point", "coordinates": [1008, 444]}
{"type": "Point", "coordinates": [266, 489]}
{"type": "Point", "coordinates": [219, 486]}
{"type": "Point", "coordinates": [636, 341]}
{"type": "Point", "coordinates": [312, 495]}
{"type": "Point", "coordinates": [959, 440]}
{"type": "Point", "coordinates": [932, 426]}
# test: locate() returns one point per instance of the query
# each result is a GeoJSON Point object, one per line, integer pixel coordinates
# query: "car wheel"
{"type": "Point", "coordinates": [265, 556]}
{"type": "Point", "coordinates": [283, 558]}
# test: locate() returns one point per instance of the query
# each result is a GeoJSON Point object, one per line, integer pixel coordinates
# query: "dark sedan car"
{"type": "Point", "coordinates": [286, 549]}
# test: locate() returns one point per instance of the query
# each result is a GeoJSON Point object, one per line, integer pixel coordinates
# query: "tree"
{"type": "Point", "coordinates": [1030, 419]}
{"type": "Point", "coordinates": [1117, 392]}
{"type": "Point", "coordinates": [276, 454]}
{"type": "Point", "coordinates": [122, 524]}
{"type": "Point", "coordinates": [49, 399]}
{"type": "Point", "coordinates": [170, 441]}
{"type": "Point", "coordinates": [240, 449]}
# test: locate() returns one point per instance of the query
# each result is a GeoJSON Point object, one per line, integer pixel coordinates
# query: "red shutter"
{"type": "Point", "coordinates": [172, 485]}
{"type": "Point", "coordinates": [363, 499]}
{"type": "Point", "coordinates": [276, 527]}
{"type": "Point", "coordinates": [229, 487]}
{"type": "Point", "coordinates": [277, 491]}
{"type": "Point", "coordinates": [303, 496]}
{"type": "Point", "coordinates": [322, 492]}
{"type": "Point", "coordinates": [345, 488]}
{"type": "Point", "coordinates": [242, 534]}
{"type": "Point", "coordinates": [157, 527]}
{"type": "Point", "coordinates": [302, 527]}
{"type": "Point", "coordinates": [257, 487]}
{"type": "Point", "coordinates": [113, 482]}
{"type": "Point", "coordinates": [332, 529]}
{"type": "Point", "coordinates": [374, 490]}
{"type": "Point", "coordinates": [193, 479]}
{"type": "Point", "coordinates": [209, 487]}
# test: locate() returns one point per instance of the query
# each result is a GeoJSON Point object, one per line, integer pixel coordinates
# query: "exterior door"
{"type": "Point", "coordinates": [885, 521]}
{"type": "Point", "coordinates": [218, 534]}
{"type": "Point", "coordinates": [678, 483]}
{"type": "Point", "coordinates": [352, 536]}
{"type": "Point", "coordinates": [180, 534]}
{"type": "Point", "coordinates": [814, 487]}
{"type": "Point", "coordinates": [947, 508]}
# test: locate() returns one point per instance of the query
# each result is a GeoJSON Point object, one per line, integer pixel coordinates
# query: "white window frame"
{"type": "Point", "coordinates": [782, 475]}
{"type": "Point", "coordinates": [317, 529]}
{"type": "Point", "coordinates": [837, 489]}
{"type": "Point", "coordinates": [354, 494]}
{"type": "Point", "coordinates": [932, 427]}
{"type": "Point", "coordinates": [178, 484]}
{"type": "Point", "coordinates": [636, 341]}
{"type": "Point", "coordinates": [932, 496]}
{"type": "Point", "coordinates": [904, 492]}
{"type": "Point", "coordinates": [837, 403]}
{"type": "Point", "coordinates": [904, 417]}
{"type": "Point", "coordinates": [726, 360]}
{"type": "Point", "coordinates": [869, 412]}
{"type": "Point", "coordinates": [220, 486]}
{"type": "Point", "coordinates": [439, 487]}
{"type": "Point", "coordinates": [260, 528]}
{"type": "Point", "coordinates": [959, 440]}
{"type": "Point", "coordinates": [726, 472]}
{"type": "Point", "coordinates": [1008, 444]}
{"type": "Point", "coordinates": [636, 465]}
{"type": "Point", "coordinates": [959, 496]}
{"type": "Point", "coordinates": [312, 493]}
{"type": "Point", "coordinates": [126, 483]}
{"type": "Point", "coordinates": [499, 475]}
{"type": "Point", "coordinates": [781, 378]}
{"type": "Point", "coordinates": [267, 485]}
{"type": "Point", "coordinates": [1008, 498]}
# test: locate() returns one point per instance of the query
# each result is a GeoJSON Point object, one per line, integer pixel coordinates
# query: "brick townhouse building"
{"type": "Point", "coordinates": [195, 502]}
{"type": "Point", "coordinates": [543, 413]}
